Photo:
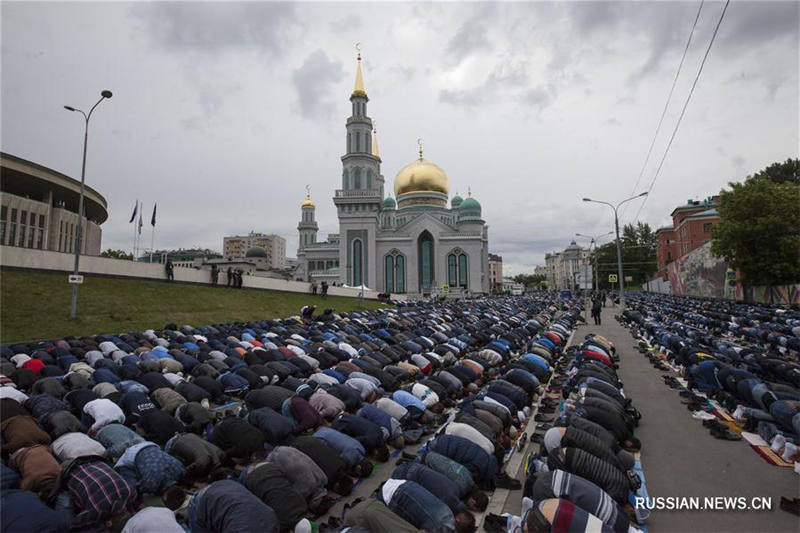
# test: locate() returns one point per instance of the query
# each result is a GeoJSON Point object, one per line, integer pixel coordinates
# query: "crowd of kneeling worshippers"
{"type": "Point", "coordinates": [263, 426]}
{"type": "Point", "coordinates": [745, 357]}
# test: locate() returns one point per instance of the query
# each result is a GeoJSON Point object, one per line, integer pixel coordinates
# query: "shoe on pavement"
{"type": "Point", "coordinates": [502, 481]}
{"type": "Point", "coordinates": [724, 434]}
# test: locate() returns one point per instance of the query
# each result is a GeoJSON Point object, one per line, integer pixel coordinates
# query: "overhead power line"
{"type": "Point", "coordinates": [683, 111]}
{"type": "Point", "coordinates": [666, 104]}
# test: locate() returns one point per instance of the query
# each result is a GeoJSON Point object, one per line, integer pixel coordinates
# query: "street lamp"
{"type": "Point", "coordinates": [619, 245]}
{"type": "Point", "coordinates": [593, 246]}
{"type": "Point", "coordinates": [73, 311]}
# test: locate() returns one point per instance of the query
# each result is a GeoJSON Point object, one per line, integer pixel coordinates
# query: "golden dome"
{"type": "Point", "coordinates": [421, 176]}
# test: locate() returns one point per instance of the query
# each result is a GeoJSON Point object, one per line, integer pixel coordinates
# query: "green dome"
{"type": "Point", "coordinates": [456, 201]}
{"type": "Point", "coordinates": [389, 203]}
{"type": "Point", "coordinates": [470, 204]}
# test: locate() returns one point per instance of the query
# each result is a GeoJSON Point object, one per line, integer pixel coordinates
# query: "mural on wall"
{"type": "Point", "coordinates": [778, 294]}
{"type": "Point", "coordinates": [699, 273]}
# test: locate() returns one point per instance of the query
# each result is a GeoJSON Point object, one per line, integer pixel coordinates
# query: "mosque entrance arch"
{"type": "Point", "coordinates": [427, 266]}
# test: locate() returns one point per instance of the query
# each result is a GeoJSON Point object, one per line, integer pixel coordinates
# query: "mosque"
{"type": "Point", "coordinates": [411, 244]}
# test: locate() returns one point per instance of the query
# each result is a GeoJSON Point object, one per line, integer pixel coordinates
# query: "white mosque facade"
{"type": "Point", "coordinates": [414, 243]}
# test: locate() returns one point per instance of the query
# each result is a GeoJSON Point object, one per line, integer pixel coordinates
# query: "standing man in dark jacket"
{"type": "Point", "coordinates": [170, 268]}
{"type": "Point", "coordinates": [214, 274]}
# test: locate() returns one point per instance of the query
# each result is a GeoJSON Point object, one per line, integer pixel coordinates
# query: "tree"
{"type": "Point", "coordinates": [759, 230]}
{"type": "Point", "coordinates": [117, 254]}
{"type": "Point", "coordinates": [786, 172]}
{"type": "Point", "coordinates": [638, 256]}
{"type": "Point", "coordinates": [529, 280]}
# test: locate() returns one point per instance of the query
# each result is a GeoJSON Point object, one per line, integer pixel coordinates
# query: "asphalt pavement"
{"type": "Point", "coordinates": [680, 458]}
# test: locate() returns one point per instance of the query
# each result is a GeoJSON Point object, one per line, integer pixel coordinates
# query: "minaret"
{"type": "Point", "coordinates": [308, 225]}
{"type": "Point", "coordinates": [360, 200]}
{"type": "Point", "coordinates": [361, 164]}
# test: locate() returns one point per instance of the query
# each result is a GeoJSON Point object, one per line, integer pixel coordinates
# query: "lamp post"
{"type": "Point", "coordinates": [73, 311]}
{"type": "Point", "coordinates": [593, 246]}
{"type": "Point", "coordinates": [619, 245]}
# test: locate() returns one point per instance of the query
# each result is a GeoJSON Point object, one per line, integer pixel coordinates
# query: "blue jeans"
{"type": "Point", "coordinates": [785, 414]}
{"type": "Point", "coordinates": [191, 512]}
{"type": "Point", "coordinates": [422, 509]}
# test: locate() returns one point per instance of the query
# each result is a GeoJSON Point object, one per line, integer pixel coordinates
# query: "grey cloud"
{"type": "Point", "coordinates": [348, 23]}
{"type": "Point", "coordinates": [757, 23]}
{"type": "Point", "coordinates": [471, 36]}
{"type": "Point", "coordinates": [588, 17]}
{"type": "Point", "coordinates": [538, 97]}
{"type": "Point", "coordinates": [509, 73]}
{"type": "Point", "coordinates": [213, 26]}
{"type": "Point", "coordinates": [505, 75]}
{"type": "Point", "coordinates": [467, 98]}
{"type": "Point", "coordinates": [313, 82]}
{"type": "Point", "coordinates": [403, 72]}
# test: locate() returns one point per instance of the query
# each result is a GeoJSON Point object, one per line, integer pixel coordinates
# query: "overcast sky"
{"type": "Point", "coordinates": [222, 112]}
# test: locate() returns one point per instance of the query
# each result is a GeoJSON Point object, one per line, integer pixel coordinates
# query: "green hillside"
{"type": "Point", "coordinates": [35, 305]}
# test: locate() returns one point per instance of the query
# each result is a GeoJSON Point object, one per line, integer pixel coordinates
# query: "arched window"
{"type": "Point", "coordinates": [389, 273]}
{"type": "Point", "coordinates": [357, 178]}
{"type": "Point", "coordinates": [400, 274]}
{"type": "Point", "coordinates": [358, 141]}
{"type": "Point", "coordinates": [368, 143]}
{"type": "Point", "coordinates": [357, 262]}
{"type": "Point", "coordinates": [349, 143]}
{"type": "Point", "coordinates": [452, 270]}
{"type": "Point", "coordinates": [462, 271]}
{"type": "Point", "coordinates": [369, 179]}
{"type": "Point", "coordinates": [344, 179]}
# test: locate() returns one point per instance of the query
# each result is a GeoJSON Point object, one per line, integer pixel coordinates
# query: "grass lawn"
{"type": "Point", "coordinates": [35, 305]}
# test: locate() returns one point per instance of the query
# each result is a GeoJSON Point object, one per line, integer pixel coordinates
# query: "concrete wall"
{"type": "Point", "coordinates": [658, 285]}
{"type": "Point", "coordinates": [43, 260]}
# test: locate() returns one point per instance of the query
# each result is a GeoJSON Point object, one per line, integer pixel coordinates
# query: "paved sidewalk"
{"type": "Point", "coordinates": [681, 458]}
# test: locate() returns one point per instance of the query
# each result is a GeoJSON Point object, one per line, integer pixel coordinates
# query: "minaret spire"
{"type": "Point", "coordinates": [375, 151]}
{"type": "Point", "coordinates": [358, 90]}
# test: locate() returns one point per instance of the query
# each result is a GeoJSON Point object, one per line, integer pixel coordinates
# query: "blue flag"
{"type": "Point", "coordinates": [135, 208]}
{"type": "Point", "coordinates": [153, 219]}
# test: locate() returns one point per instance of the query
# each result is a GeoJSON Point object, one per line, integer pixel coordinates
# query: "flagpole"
{"type": "Point", "coordinates": [140, 227]}
{"type": "Point", "coordinates": [135, 209]}
{"type": "Point", "coordinates": [153, 231]}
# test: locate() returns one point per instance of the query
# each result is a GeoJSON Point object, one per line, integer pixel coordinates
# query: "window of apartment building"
{"type": "Point", "coordinates": [3, 215]}
{"type": "Point", "coordinates": [12, 233]}
{"type": "Point", "coordinates": [707, 227]}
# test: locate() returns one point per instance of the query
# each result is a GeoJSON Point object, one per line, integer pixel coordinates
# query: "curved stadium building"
{"type": "Point", "coordinates": [39, 208]}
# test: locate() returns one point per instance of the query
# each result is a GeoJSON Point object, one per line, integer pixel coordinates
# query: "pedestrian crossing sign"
{"type": "Point", "coordinates": [612, 278]}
